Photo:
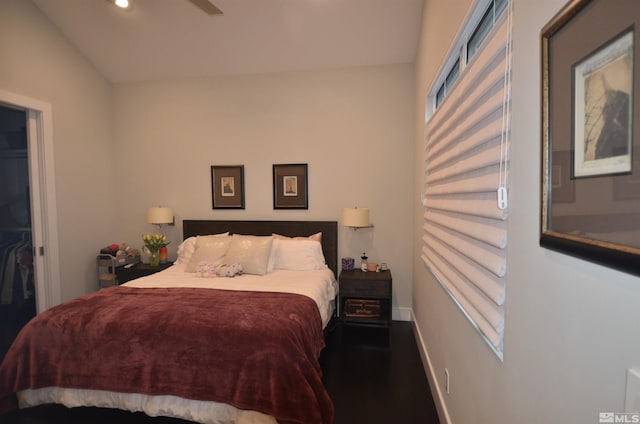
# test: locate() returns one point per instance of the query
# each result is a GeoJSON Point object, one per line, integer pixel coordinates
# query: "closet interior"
{"type": "Point", "coordinates": [17, 288]}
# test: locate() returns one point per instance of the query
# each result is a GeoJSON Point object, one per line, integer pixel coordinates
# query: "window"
{"type": "Point", "coordinates": [451, 78]}
{"type": "Point", "coordinates": [471, 45]}
{"type": "Point", "coordinates": [480, 33]}
{"type": "Point", "coordinates": [440, 95]}
{"type": "Point", "coordinates": [466, 168]}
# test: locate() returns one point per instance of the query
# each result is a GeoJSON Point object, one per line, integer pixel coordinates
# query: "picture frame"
{"type": "Point", "coordinates": [602, 109]}
{"type": "Point", "coordinates": [227, 186]}
{"type": "Point", "coordinates": [562, 189]}
{"type": "Point", "coordinates": [290, 186]}
{"type": "Point", "coordinates": [628, 186]}
{"type": "Point", "coordinates": [589, 190]}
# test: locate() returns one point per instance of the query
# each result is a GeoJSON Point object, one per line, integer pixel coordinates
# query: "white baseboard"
{"type": "Point", "coordinates": [432, 376]}
{"type": "Point", "coordinates": [401, 314]}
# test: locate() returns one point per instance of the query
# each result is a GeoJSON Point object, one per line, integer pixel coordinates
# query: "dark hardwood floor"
{"type": "Point", "coordinates": [368, 382]}
{"type": "Point", "coordinates": [373, 384]}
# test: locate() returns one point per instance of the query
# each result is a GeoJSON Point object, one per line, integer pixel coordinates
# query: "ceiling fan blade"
{"type": "Point", "coordinates": [207, 7]}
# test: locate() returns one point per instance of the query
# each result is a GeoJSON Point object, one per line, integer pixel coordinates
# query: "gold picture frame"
{"type": "Point", "coordinates": [588, 68]}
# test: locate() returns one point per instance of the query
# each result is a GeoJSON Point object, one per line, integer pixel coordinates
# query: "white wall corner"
{"type": "Point", "coordinates": [436, 392]}
{"type": "Point", "coordinates": [401, 314]}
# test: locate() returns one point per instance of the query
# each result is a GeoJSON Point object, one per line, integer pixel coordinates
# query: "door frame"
{"type": "Point", "coordinates": [44, 217]}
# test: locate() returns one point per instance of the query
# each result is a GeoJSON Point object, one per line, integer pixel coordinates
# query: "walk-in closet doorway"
{"type": "Point", "coordinates": [17, 282]}
{"type": "Point", "coordinates": [29, 267]}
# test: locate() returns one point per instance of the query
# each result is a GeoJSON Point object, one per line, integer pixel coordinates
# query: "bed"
{"type": "Point", "coordinates": [194, 344]}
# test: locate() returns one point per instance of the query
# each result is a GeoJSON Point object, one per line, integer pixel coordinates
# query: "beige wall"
{"type": "Point", "coordinates": [571, 326]}
{"type": "Point", "coordinates": [354, 128]}
{"type": "Point", "coordinates": [154, 144]}
{"type": "Point", "coordinates": [38, 62]}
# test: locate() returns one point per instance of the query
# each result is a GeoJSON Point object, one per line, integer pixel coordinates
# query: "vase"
{"type": "Point", "coordinates": [163, 255]}
{"type": "Point", "coordinates": [154, 259]}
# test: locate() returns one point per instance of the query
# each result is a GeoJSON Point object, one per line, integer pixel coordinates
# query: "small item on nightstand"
{"type": "Point", "coordinates": [163, 255]}
{"type": "Point", "coordinates": [383, 266]}
{"type": "Point", "coordinates": [372, 266]}
{"type": "Point", "coordinates": [363, 262]}
{"type": "Point", "coordinates": [348, 264]}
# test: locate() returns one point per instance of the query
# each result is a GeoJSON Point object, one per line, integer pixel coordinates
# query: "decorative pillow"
{"type": "Point", "coordinates": [210, 249]}
{"type": "Point", "coordinates": [229, 271]}
{"type": "Point", "coordinates": [211, 240]}
{"type": "Point", "coordinates": [317, 237]}
{"type": "Point", "coordinates": [298, 255]}
{"type": "Point", "coordinates": [185, 250]}
{"type": "Point", "coordinates": [207, 269]}
{"type": "Point", "coordinates": [188, 246]}
{"type": "Point", "coordinates": [252, 252]}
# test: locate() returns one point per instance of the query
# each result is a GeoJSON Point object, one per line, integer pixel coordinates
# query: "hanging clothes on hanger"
{"type": "Point", "coordinates": [16, 267]}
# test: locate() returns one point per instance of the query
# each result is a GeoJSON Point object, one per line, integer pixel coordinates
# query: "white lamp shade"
{"type": "Point", "coordinates": [355, 217]}
{"type": "Point", "coordinates": [159, 215]}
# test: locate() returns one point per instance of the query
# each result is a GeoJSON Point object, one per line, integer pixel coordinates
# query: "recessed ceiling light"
{"type": "Point", "coordinates": [124, 4]}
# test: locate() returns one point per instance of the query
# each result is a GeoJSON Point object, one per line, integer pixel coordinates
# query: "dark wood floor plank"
{"type": "Point", "coordinates": [372, 383]}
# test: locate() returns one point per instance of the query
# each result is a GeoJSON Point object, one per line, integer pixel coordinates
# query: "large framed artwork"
{"type": "Point", "coordinates": [602, 109]}
{"type": "Point", "coordinates": [227, 187]}
{"type": "Point", "coordinates": [590, 143]}
{"type": "Point", "coordinates": [290, 186]}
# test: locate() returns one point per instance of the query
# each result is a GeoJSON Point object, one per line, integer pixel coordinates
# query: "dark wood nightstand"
{"type": "Point", "coordinates": [138, 270]}
{"type": "Point", "coordinates": [365, 304]}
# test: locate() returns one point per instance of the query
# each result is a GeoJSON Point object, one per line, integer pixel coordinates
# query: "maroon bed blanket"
{"type": "Point", "coordinates": [252, 350]}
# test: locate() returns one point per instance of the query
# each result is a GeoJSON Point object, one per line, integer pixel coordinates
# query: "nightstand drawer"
{"type": "Point", "coordinates": [139, 270]}
{"type": "Point", "coordinates": [367, 308]}
{"type": "Point", "coordinates": [365, 302]}
{"type": "Point", "coordinates": [366, 288]}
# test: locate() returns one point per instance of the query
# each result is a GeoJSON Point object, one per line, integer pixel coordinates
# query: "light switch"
{"type": "Point", "coordinates": [632, 399]}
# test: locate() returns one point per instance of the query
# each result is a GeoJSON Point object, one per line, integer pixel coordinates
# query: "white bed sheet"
{"type": "Point", "coordinates": [153, 406]}
{"type": "Point", "coordinates": [319, 285]}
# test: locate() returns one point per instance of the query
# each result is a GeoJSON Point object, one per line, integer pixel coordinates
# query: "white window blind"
{"type": "Point", "coordinates": [466, 162]}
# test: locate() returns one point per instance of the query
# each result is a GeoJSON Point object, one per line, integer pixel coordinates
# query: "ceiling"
{"type": "Point", "coordinates": [168, 39]}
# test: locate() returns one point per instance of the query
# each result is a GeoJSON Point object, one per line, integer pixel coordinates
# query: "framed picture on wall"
{"type": "Point", "coordinates": [290, 186]}
{"type": "Point", "coordinates": [602, 109]}
{"type": "Point", "coordinates": [227, 187]}
{"type": "Point", "coordinates": [590, 143]}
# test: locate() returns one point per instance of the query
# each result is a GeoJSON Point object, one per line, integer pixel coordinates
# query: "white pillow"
{"type": "Point", "coordinates": [252, 252]}
{"type": "Point", "coordinates": [211, 240]}
{"type": "Point", "coordinates": [274, 251]}
{"type": "Point", "coordinates": [298, 255]}
{"type": "Point", "coordinates": [185, 250]}
{"type": "Point", "coordinates": [208, 249]}
{"type": "Point", "coordinates": [316, 237]}
{"type": "Point", "coordinates": [188, 246]}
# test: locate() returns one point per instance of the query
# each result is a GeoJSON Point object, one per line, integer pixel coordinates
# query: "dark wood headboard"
{"type": "Point", "coordinates": [329, 231]}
